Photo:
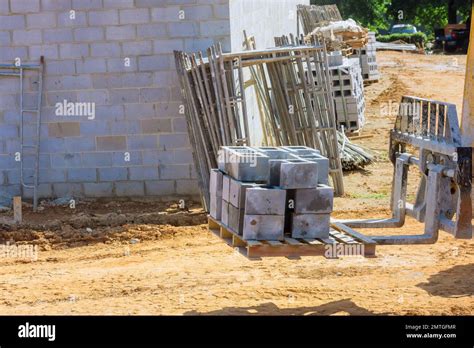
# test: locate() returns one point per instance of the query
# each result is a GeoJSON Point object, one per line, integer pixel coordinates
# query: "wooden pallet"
{"type": "Point", "coordinates": [291, 247]}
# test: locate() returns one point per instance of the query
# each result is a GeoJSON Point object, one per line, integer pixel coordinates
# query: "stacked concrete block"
{"type": "Point", "coordinates": [225, 199]}
{"type": "Point", "coordinates": [244, 163]}
{"type": "Point", "coordinates": [237, 197]}
{"type": "Point", "coordinates": [348, 90]}
{"type": "Point", "coordinates": [215, 209]}
{"type": "Point", "coordinates": [312, 212]}
{"type": "Point", "coordinates": [260, 209]}
{"type": "Point", "coordinates": [312, 155]}
{"type": "Point", "coordinates": [264, 214]}
{"type": "Point", "coordinates": [368, 59]}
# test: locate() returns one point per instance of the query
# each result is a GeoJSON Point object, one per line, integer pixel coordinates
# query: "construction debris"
{"type": "Point", "coordinates": [390, 46]}
{"type": "Point", "coordinates": [341, 35]}
{"type": "Point", "coordinates": [297, 106]}
{"type": "Point", "coordinates": [347, 34]}
{"type": "Point", "coordinates": [312, 16]}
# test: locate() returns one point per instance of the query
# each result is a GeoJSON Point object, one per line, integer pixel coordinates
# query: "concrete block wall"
{"type": "Point", "coordinates": [264, 20]}
{"type": "Point", "coordinates": [117, 54]}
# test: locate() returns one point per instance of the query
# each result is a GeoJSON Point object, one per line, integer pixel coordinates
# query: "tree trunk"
{"type": "Point", "coordinates": [452, 12]}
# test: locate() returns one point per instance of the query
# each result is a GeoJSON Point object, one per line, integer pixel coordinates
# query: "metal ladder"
{"type": "Point", "coordinates": [19, 71]}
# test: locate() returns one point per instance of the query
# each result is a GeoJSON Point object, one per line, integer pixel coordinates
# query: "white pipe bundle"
{"type": "Point", "coordinates": [352, 156]}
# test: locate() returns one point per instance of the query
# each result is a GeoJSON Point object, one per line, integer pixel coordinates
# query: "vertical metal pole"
{"type": "Point", "coordinates": [467, 122]}
{"type": "Point", "coordinates": [38, 133]}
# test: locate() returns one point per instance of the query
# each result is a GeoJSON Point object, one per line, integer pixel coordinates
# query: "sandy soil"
{"type": "Point", "coordinates": [154, 258]}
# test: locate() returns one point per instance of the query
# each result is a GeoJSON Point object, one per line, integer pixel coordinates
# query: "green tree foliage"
{"type": "Point", "coordinates": [427, 15]}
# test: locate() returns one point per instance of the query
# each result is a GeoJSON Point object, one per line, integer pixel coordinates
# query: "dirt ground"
{"type": "Point", "coordinates": [145, 257]}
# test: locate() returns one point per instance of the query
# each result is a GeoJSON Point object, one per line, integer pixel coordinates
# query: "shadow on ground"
{"type": "Point", "coordinates": [344, 307]}
{"type": "Point", "coordinates": [457, 281]}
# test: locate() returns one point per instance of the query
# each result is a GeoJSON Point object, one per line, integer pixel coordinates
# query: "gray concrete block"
{"type": "Point", "coordinates": [244, 164]}
{"type": "Point", "coordinates": [165, 14]}
{"type": "Point", "coordinates": [185, 29]}
{"type": "Point", "coordinates": [174, 171]}
{"type": "Point", "coordinates": [5, 38]}
{"type": "Point", "coordinates": [12, 22]}
{"type": "Point", "coordinates": [236, 219]}
{"type": "Point", "coordinates": [106, 49]}
{"type": "Point", "coordinates": [97, 159]}
{"type": "Point", "coordinates": [310, 225]}
{"type": "Point", "coordinates": [124, 32]}
{"type": "Point", "coordinates": [118, 3]}
{"type": "Point", "coordinates": [296, 174]}
{"type": "Point", "coordinates": [152, 63]}
{"type": "Point", "coordinates": [142, 142]}
{"type": "Point", "coordinates": [215, 189]}
{"type": "Point", "coordinates": [301, 150]}
{"type": "Point", "coordinates": [225, 213]}
{"type": "Point", "coordinates": [200, 13]}
{"type": "Point", "coordinates": [237, 193]}
{"type": "Point", "coordinates": [113, 174]}
{"type": "Point", "coordinates": [265, 201]}
{"type": "Point", "coordinates": [47, 51]}
{"type": "Point", "coordinates": [173, 141]}
{"type": "Point", "coordinates": [167, 46]}
{"type": "Point", "coordinates": [67, 190]}
{"type": "Point", "coordinates": [124, 95]}
{"type": "Point", "coordinates": [314, 201]}
{"type": "Point", "coordinates": [81, 175]}
{"type": "Point", "coordinates": [41, 20]}
{"type": "Point", "coordinates": [60, 67]}
{"type": "Point", "coordinates": [65, 19]}
{"type": "Point", "coordinates": [264, 227]}
{"type": "Point", "coordinates": [137, 48]}
{"type": "Point", "coordinates": [66, 160]}
{"type": "Point", "coordinates": [160, 188]}
{"type": "Point", "coordinates": [89, 34]}
{"type": "Point", "coordinates": [134, 16]}
{"type": "Point", "coordinates": [276, 153]}
{"type": "Point", "coordinates": [323, 167]}
{"type": "Point", "coordinates": [143, 173]}
{"type": "Point", "coordinates": [103, 18]}
{"type": "Point", "coordinates": [25, 6]}
{"type": "Point", "coordinates": [154, 95]}
{"type": "Point", "coordinates": [275, 168]}
{"type": "Point", "coordinates": [152, 31]}
{"type": "Point", "coordinates": [155, 126]}
{"type": "Point", "coordinates": [215, 209]}
{"type": "Point", "coordinates": [86, 4]}
{"type": "Point", "coordinates": [226, 188]}
{"type": "Point", "coordinates": [56, 5]}
{"type": "Point", "coordinates": [210, 28]}
{"type": "Point", "coordinates": [27, 37]}
{"type": "Point", "coordinates": [215, 183]}
{"type": "Point", "coordinates": [57, 35]}
{"type": "Point", "coordinates": [59, 83]}
{"type": "Point", "coordinates": [187, 188]}
{"type": "Point", "coordinates": [102, 189]}
{"type": "Point", "coordinates": [111, 143]}
{"type": "Point", "coordinates": [130, 189]}
{"type": "Point", "coordinates": [73, 51]}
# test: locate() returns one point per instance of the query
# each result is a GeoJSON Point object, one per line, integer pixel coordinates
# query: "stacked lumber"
{"type": "Point", "coordinates": [297, 106]}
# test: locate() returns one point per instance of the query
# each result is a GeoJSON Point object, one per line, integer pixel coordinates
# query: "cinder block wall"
{"type": "Point", "coordinates": [137, 144]}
